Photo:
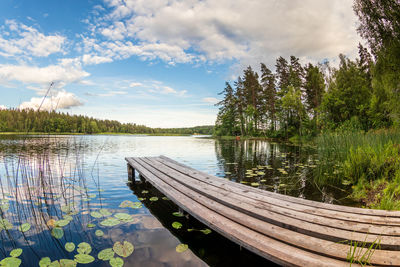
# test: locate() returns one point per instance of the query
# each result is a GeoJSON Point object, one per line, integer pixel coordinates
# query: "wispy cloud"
{"type": "Point", "coordinates": [17, 39]}
{"type": "Point", "coordinates": [210, 100]}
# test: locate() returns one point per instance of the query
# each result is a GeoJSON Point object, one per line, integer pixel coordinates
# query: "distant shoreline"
{"type": "Point", "coordinates": [58, 133]}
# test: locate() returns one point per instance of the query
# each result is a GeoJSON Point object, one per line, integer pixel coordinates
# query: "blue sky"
{"type": "Point", "coordinates": [161, 62]}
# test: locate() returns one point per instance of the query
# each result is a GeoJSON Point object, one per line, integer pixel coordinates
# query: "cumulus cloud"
{"type": "Point", "coordinates": [210, 100]}
{"type": "Point", "coordinates": [244, 30]}
{"type": "Point", "coordinates": [94, 60]}
{"type": "Point", "coordinates": [65, 72]}
{"type": "Point", "coordinates": [2, 107]}
{"type": "Point", "coordinates": [17, 39]}
{"type": "Point", "coordinates": [61, 100]}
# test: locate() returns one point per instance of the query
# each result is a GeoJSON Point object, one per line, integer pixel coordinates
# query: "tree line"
{"type": "Point", "coordinates": [304, 100]}
{"type": "Point", "coordinates": [29, 120]}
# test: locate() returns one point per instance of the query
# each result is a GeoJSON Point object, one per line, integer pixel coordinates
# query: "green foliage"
{"type": "Point", "coordinates": [15, 120]}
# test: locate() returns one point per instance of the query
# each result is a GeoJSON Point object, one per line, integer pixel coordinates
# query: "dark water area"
{"type": "Point", "coordinates": [74, 184]}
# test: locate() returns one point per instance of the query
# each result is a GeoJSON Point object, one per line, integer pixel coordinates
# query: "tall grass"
{"type": "Point", "coordinates": [334, 148]}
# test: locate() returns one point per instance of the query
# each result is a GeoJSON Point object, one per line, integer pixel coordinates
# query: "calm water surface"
{"type": "Point", "coordinates": [50, 181]}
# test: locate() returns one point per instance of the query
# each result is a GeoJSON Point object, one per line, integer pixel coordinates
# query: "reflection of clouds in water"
{"type": "Point", "coordinates": [154, 245]}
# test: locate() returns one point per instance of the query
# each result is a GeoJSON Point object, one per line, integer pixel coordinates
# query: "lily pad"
{"type": "Point", "coordinates": [255, 184]}
{"type": "Point", "coordinates": [51, 223]}
{"type": "Point", "coordinates": [105, 212]}
{"type": "Point", "coordinates": [24, 227]}
{"type": "Point", "coordinates": [110, 222]}
{"type": "Point", "coordinates": [84, 248]}
{"type": "Point", "coordinates": [10, 262]}
{"type": "Point", "coordinates": [68, 217]}
{"type": "Point", "coordinates": [178, 214]}
{"type": "Point", "coordinates": [44, 262]}
{"type": "Point", "coordinates": [126, 204]}
{"type": "Point", "coordinates": [15, 253]}
{"type": "Point", "coordinates": [181, 248]}
{"type": "Point", "coordinates": [123, 250]}
{"type": "Point", "coordinates": [117, 262]}
{"type": "Point", "coordinates": [206, 231]}
{"type": "Point", "coordinates": [165, 198]}
{"type": "Point", "coordinates": [153, 199]}
{"type": "Point", "coordinates": [145, 191]}
{"type": "Point", "coordinates": [137, 205]}
{"type": "Point", "coordinates": [90, 225]}
{"type": "Point", "coordinates": [84, 258]}
{"type": "Point", "coordinates": [106, 254]}
{"type": "Point", "coordinates": [123, 217]}
{"type": "Point", "coordinates": [5, 225]}
{"type": "Point", "coordinates": [62, 223]}
{"type": "Point", "coordinates": [57, 232]}
{"type": "Point", "coordinates": [177, 225]}
{"type": "Point", "coordinates": [99, 233]}
{"type": "Point", "coordinates": [67, 263]}
{"type": "Point", "coordinates": [96, 214]}
{"type": "Point", "coordinates": [69, 246]}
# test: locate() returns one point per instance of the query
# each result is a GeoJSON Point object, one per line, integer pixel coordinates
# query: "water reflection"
{"type": "Point", "coordinates": [41, 175]}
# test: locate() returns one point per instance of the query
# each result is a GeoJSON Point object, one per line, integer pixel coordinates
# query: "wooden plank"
{"type": "Point", "coordinates": [304, 223]}
{"type": "Point", "coordinates": [381, 257]}
{"type": "Point", "coordinates": [258, 243]}
{"type": "Point", "coordinates": [325, 209]}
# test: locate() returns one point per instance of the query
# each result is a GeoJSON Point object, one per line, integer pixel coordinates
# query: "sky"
{"type": "Point", "coordinates": [159, 63]}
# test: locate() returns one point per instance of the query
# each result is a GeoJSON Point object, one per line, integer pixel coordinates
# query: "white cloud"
{"type": "Point", "coordinates": [62, 73]}
{"type": "Point", "coordinates": [94, 60]}
{"type": "Point", "coordinates": [17, 39]}
{"type": "Point", "coordinates": [2, 107]}
{"type": "Point", "coordinates": [210, 100]}
{"type": "Point", "coordinates": [61, 100]}
{"type": "Point", "coordinates": [246, 30]}
{"type": "Point", "coordinates": [134, 84]}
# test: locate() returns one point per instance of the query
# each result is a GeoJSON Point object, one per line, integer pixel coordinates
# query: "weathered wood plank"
{"type": "Point", "coordinates": [317, 245]}
{"type": "Point", "coordinates": [325, 209]}
{"type": "Point", "coordinates": [304, 223]}
{"type": "Point", "coordinates": [260, 244]}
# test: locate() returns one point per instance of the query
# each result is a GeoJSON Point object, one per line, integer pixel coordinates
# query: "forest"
{"type": "Point", "coordinates": [307, 99]}
{"type": "Point", "coordinates": [31, 121]}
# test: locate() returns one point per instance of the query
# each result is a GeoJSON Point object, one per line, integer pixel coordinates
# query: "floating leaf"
{"type": "Point", "coordinates": [84, 248]}
{"type": "Point", "coordinates": [255, 184]}
{"type": "Point", "coordinates": [137, 205]}
{"type": "Point", "coordinates": [96, 214]}
{"type": "Point", "coordinates": [67, 263]}
{"type": "Point", "coordinates": [105, 212]}
{"type": "Point", "coordinates": [126, 204]}
{"type": "Point", "coordinates": [90, 225]}
{"type": "Point", "coordinates": [141, 198]}
{"type": "Point", "coordinates": [123, 217]}
{"type": "Point", "coordinates": [106, 254]}
{"type": "Point", "coordinates": [57, 232]}
{"type": "Point", "coordinates": [84, 258]}
{"type": "Point", "coordinates": [51, 223]}
{"type": "Point", "coordinates": [10, 262]}
{"type": "Point", "coordinates": [123, 250]}
{"type": "Point", "coordinates": [24, 227]}
{"type": "Point", "coordinates": [178, 214]}
{"type": "Point", "coordinates": [177, 225]}
{"type": "Point", "coordinates": [145, 191]}
{"type": "Point", "coordinates": [68, 217]}
{"type": "Point", "coordinates": [91, 195]}
{"type": "Point", "coordinates": [190, 230]}
{"type": "Point", "coordinates": [346, 182]}
{"type": "Point", "coordinates": [165, 198]}
{"type": "Point", "coordinates": [117, 262]}
{"type": "Point", "coordinates": [99, 233]}
{"type": "Point", "coordinates": [44, 262]}
{"type": "Point", "coordinates": [181, 248]}
{"type": "Point", "coordinates": [153, 199]}
{"type": "Point", "coordinates": [110, 222]}
{"type": "Point", "coordinates": [5, 225]}
{"type": "Point", "coordinates": [16, 252]}
{"type": "Point", "coordinates": [206, 231]}
{"type": "Point", "coordinates": [62, 223]}
{"type": "Point", "coordinates": [69, 246]}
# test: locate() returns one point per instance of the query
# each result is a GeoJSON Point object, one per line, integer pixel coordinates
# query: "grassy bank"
{"type": "Point", "coordinates": [368, 162]}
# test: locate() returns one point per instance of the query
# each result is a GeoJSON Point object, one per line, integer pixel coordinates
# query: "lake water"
{"type": "Point", "coordinates": [59, 184]}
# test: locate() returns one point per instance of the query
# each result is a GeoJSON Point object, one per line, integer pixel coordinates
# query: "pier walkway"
{"type": "Point", "coordinates": [286, 230]}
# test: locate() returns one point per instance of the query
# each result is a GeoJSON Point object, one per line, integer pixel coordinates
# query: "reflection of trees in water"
{"type": "Point", "coordinates": [236, 157]}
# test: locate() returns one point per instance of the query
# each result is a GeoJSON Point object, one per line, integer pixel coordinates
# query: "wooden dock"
{"type": "Point", "coordinates": [286, 230]}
